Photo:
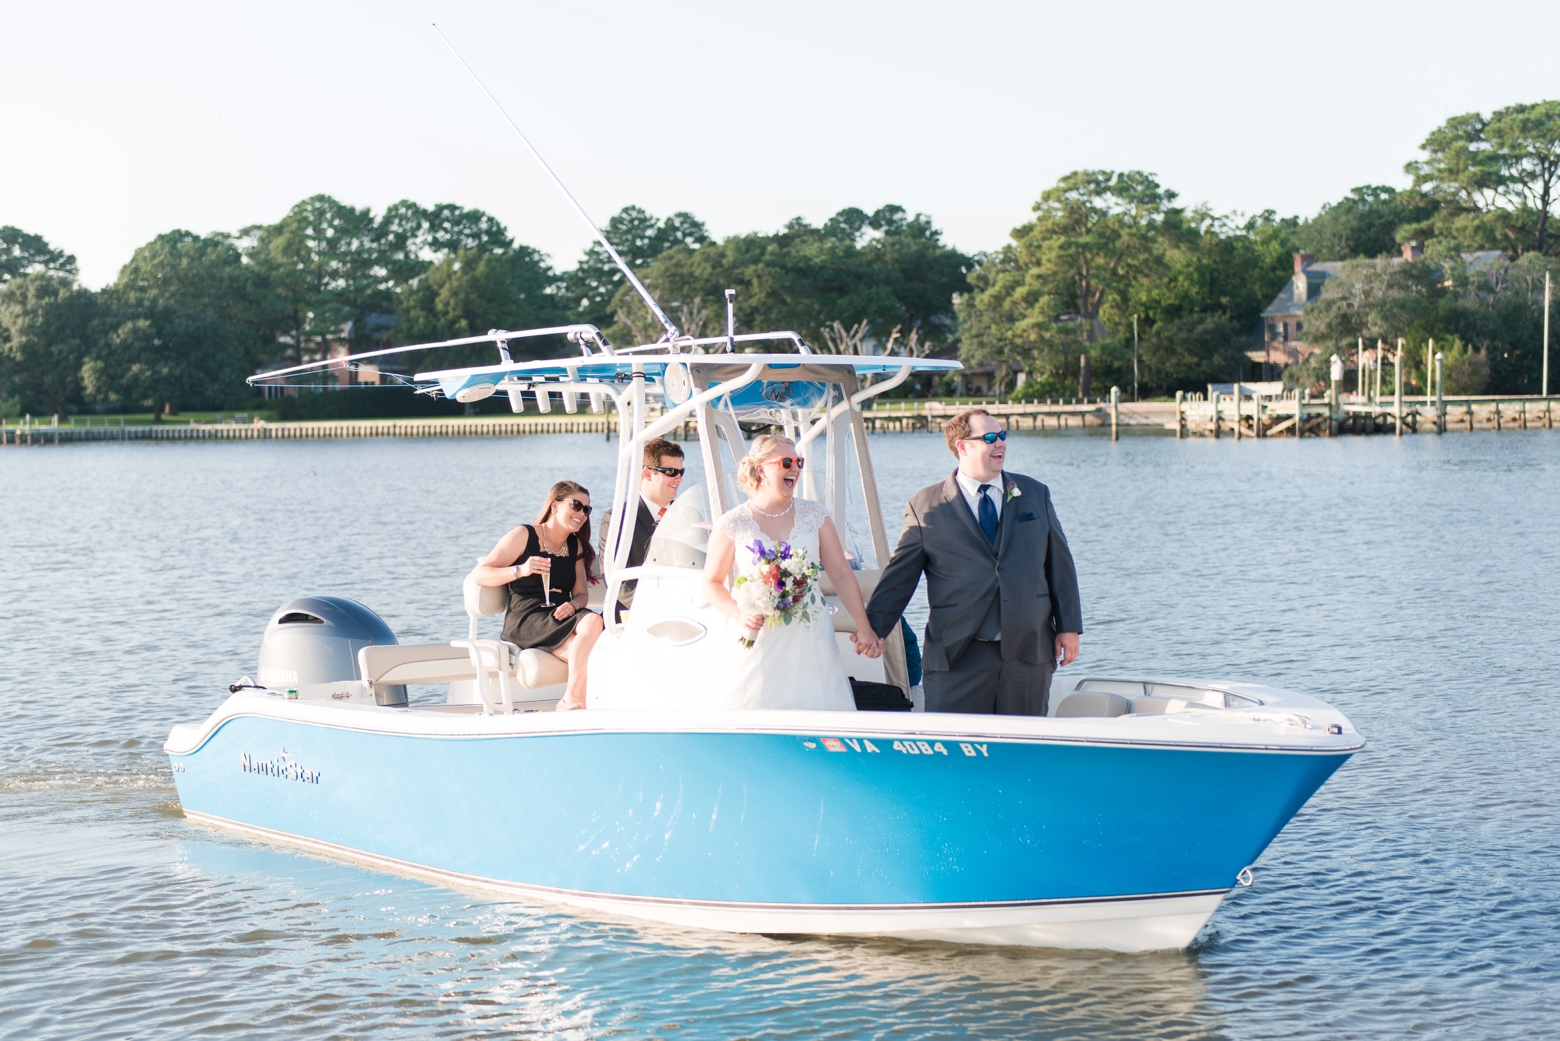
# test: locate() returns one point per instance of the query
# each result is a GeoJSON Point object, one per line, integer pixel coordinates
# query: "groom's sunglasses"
{"type": "Point", "coordinates": [670, 471]}
{"type": "Point", "coordinates": [990, 439]}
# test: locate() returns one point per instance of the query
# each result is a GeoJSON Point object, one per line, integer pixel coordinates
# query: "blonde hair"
{"type": "Point", "coordinates": [765, 447]}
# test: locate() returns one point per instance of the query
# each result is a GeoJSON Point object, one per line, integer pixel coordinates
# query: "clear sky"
{"type": "Point", "coordinates": [125, 120]}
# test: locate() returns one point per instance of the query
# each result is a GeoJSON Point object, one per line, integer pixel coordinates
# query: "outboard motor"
{"type": "Point", "coordinates": [311, 645]}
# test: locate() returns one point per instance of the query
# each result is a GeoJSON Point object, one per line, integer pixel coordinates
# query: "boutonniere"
{"type": "Point", "coordinates": [1012, 491]}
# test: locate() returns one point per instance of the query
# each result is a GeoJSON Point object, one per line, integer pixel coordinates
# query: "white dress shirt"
{"type": "Point", "coordinates": [971, 489]}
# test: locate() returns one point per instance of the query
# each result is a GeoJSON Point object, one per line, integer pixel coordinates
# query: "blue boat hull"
{"type": "Point", "coordinates": [754, 830]}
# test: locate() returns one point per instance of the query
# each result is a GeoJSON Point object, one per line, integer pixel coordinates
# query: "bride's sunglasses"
{"type": "Point", "coordinates": [990, 439]}
{"type": "Point", "coordinates": [787, 461]}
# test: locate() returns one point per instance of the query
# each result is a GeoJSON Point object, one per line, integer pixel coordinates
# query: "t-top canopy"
{"type": "Point", "coordinates": [675, 365]}
{"type": "Point", "coordinates": [677, 373]}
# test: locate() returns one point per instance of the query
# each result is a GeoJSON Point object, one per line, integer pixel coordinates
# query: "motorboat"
{"type": "Point", "coordinates": [1119, 821]}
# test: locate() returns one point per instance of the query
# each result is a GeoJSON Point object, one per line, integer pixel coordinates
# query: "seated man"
{"type": "Point", "coordinates": [663, 475]}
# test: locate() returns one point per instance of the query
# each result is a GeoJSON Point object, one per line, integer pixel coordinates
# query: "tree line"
{"type": "Point", "coordinates": [1105, 256]}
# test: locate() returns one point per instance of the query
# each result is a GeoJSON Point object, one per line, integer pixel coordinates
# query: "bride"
{"type": "Point", "coordinates": [794, 665]}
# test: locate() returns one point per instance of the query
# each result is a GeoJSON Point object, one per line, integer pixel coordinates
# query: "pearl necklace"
{"type": "Point", "coordinates": [789, 507]}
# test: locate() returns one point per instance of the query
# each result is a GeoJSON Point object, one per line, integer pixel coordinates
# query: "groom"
{"type": "Point", "coordinates": [999, 580]}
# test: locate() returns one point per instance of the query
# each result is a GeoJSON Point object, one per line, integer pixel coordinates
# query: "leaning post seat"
{"type": "Point", "coordinates": [535, 672]}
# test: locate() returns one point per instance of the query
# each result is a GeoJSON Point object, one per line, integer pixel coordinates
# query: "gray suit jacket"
{"type": "Point", "coordinates": [1030, 569]}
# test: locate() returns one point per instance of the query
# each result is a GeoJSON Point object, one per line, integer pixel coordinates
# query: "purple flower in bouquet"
{"type": "Point", "coordinates": [781, 589]}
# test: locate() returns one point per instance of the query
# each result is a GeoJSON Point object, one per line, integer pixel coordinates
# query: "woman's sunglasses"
{"type": "Point", "coordinates": [577, 506]}
{"type": "Point", "coordinates": [990, 439]}
{"type": "Point", "coordinates": [787, 462]}
{"type": "Point", "coordinates": [670, 471]}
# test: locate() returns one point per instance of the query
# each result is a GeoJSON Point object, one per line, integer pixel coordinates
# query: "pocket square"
{"type": "Point", "coordinates": [1025, 517]}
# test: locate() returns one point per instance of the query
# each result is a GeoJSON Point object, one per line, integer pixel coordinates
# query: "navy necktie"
{"type": "Point", "coordinates": [987, 514]}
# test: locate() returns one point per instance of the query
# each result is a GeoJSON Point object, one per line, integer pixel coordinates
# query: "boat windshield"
{"type": "Point", "coordinates": [682, 538]}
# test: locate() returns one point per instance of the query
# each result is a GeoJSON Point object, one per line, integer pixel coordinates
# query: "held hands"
{"type": "Point", "coordinates": [1066, 648]}
{"type": "Point", "coordinates": [870, 643]}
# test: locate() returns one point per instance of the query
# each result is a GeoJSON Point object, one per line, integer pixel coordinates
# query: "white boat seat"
{"type": "Point", "coordinates": [390, 664]}
{"type": "Point", "coordinates": [536, 669]}
{"type": "Point", "coordinates": [520, 671]}
{"type": "Point", "coordinates": [481, 601]}
{"type": "Point", "coordinates": [1093, 704]}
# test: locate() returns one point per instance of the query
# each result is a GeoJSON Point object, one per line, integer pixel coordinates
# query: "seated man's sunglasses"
{"type": "Point", "coordinates": [990, 439]}
{"type": "Point", "coordinates": [670, 471]}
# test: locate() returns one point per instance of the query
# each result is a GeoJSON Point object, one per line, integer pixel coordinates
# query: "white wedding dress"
{"type": "Point", "coordinates": [789, 666]}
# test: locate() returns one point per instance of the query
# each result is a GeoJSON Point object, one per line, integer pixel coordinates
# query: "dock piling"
{"type": "Point", "coordinates": [1440, 396]}
{"type": "Point", "coordinates": [1115, 413]}
{"type": "Point", "coordinates": [1397, 392]}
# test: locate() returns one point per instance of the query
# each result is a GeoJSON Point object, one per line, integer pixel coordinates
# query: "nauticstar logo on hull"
{"type": "Point", "coordinates": [283, 768]}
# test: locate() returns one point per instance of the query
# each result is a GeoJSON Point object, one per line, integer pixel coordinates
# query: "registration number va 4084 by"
{"type": "Point", "coordinates": [903, 747]}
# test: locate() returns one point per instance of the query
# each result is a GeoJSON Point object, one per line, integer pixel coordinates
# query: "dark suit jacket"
{"type": "Point", "coordinates": [644, 528]}
{"type": "Point", "coordinates": [1030, 569]}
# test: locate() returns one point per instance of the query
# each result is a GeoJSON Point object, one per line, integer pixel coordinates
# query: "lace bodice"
{"type": "Point", "coordinates": [741, 526]}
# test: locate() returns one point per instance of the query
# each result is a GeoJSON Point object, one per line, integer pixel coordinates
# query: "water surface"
{"type": "Point", "coordinates": [1413, 583]}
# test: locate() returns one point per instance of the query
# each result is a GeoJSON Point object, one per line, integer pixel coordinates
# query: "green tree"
{"type": "Point", "coordinates": [325, 262]}
{"type": "Point", "coordinates": [23, 253]}
{"type": "Point", "coordinates": [1495, 177]}
{"type": "Point", "coordinates": [473, 290]}
{"type": "Point", "coordinates": [639, 239]}
{"type": "Point", "coordinates": [1379, 299]}
{"type": "Point", "coordinates": [46, 323]}
{"type": "Point", "coordinates": [184, 323]}
{"type": "Point", "coordinates": [1188, 352]}
{"type": "Point", "coordinates": [409, 238]}
{"type": "Point", "coordinates": [1364, 223]}
{"type": "Point", "coordinates": [994, 328]}
{"type": "Point", "coordinates": [1096, 235]}
{"type": "Point", "coordinates": [882, 269]}
{"type": "Point", "coordinates": [1212, 264]}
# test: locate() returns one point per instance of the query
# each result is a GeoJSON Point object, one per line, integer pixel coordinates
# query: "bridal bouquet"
{"type": "Point", "coordinates": [780, 588]}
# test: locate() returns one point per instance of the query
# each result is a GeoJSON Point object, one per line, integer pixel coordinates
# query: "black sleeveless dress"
{"type": "Point", "coordinates": [529, 621]}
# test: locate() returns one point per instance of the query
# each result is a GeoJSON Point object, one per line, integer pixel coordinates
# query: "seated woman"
{"type": "Point", "coordinates": [545, 566]}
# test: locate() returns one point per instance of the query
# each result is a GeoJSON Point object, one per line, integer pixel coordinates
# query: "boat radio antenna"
{"type": "Point", "coordinates": [672, 332]}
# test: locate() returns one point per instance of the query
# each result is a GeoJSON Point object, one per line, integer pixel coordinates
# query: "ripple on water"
{"type": "Point", "coordinates": [1414, 896]}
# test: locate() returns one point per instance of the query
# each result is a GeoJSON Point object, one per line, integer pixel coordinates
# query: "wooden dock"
{"type": "Point", "coordinates": [1187, 417]}
{"type": "Point", "coordinates": [479, 426]}
{"type": "Point", "coordinates": [905, 416]}
{"type": "Point", "coordinates": [1299, 417]}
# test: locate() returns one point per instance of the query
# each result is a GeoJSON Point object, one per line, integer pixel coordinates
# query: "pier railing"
{"type": "Point", "coordinates": [34, 433]}
{"type": "Point", "coordinates": [1215, 416]}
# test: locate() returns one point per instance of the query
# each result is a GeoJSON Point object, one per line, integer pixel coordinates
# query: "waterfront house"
{"type": "Point", "coordinates": [1283, 321]}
